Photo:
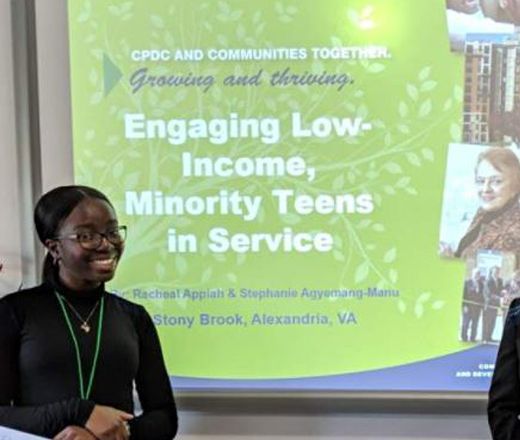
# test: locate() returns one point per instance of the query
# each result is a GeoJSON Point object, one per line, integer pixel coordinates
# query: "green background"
{"type": "Point", "coordinates": [413, 101]}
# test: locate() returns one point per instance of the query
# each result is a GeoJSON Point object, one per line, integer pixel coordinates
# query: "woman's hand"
{"type": "Point", "coordinates": [108, 423]}
{"type": "Point", "coordinates": [74, 433]}
{"type": "Point", "coordinates": [465, 6]}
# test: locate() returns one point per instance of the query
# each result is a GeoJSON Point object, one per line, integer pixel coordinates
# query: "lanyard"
{"type": "Point", "coordinates": [84, 394]}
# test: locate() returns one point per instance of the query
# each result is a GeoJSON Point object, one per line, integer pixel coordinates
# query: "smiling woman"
{"type": "Point", "coordinates": [71, 352]}
{"type": "Point", "coordinates": [496, 224]}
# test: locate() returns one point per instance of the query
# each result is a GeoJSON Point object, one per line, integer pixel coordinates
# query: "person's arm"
{"type": "Point", "coordinates": [44, 420]}
{"type": "Point", "coordinates": [159, 418]}
{"type": "Point", "coordinates": [504, 394]}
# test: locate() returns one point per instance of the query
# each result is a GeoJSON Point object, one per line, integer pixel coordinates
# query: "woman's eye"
{"type": "Point", "coordinates": [85, 236]}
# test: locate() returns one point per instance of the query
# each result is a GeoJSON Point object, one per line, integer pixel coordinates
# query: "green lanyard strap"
{"type": "Point", "coordinates": [83, 394]}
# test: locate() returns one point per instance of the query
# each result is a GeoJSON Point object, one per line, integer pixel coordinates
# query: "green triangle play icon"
{"type": "Point", "coordinates": [111, 74]}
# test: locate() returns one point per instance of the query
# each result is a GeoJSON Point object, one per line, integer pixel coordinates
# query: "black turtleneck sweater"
{"type": "Point", "coordinates": [39, 382]}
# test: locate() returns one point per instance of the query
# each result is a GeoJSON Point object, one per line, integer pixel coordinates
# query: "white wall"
{"type": "Point", "coordinates": [10, 244]}
{"type": "Point", "coordinates": [204, 426]}
{"type": "Point", "coordinates": [54, 95]}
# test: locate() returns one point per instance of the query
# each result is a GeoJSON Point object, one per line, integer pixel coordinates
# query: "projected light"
{"type": "Point", "coordinates": [363, 20]}
{"type": "Point", "coordinates": [281, 171]}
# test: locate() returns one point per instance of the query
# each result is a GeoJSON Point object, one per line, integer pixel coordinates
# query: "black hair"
{"type": "Point", "coordinates": [53, 208]}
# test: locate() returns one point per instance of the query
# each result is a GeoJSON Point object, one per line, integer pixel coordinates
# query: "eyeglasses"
{"type": "Point", "coordinates": [493, 181]}
{"type": "Point", "coordinates": [91, 240]}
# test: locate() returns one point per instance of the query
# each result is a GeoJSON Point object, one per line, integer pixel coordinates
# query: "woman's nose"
{"type": "Point", "coordinates": [486, 186]}
{"type": "Point", "coordinates": [105, 243]}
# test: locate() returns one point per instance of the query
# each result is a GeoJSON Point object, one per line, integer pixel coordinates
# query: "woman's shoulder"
{"type": "Point", "coordinates": [16, 305]}
{"type": "Point", "coordinates": [514, 311]}
{"type": "Point", "coordinates": [24, 295]}
{"type": "Point", "coordinates": [136, 312]}
{"type": "Point", "coordinates": [515, 306]}
{"type": "Point", "coordinates": [126, 305]}
{"type": "Point", "coordinates": [515, 209]}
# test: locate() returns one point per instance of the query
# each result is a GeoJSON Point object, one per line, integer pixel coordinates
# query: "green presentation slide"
{"type": "Point", "coordinates": [295, 182]}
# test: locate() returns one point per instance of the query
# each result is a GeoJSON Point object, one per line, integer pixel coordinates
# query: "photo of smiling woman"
{"type": "Point", "coordinates": [72, 353]}
{"type": "Point", "coordinates": [496, 224]}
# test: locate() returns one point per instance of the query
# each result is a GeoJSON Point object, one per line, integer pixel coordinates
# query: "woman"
{"type": "Point", "coordinates": [496, 224]}
{"type": "Point", "coordinates": [504, 394]}
{"type": "Point", "coordinates": [70, 351]}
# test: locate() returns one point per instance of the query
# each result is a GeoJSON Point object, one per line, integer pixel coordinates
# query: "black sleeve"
{"type": "Point", "coordinates": [44, 420]}
{"type": "Point", "coordinates": [504, 394]}
{"type": "Point", "coordinates": [159, 418]}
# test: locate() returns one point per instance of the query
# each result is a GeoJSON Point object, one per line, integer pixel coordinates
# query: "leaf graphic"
{"type": "Point", "coordinates": [403, 182]}
{"type": "Point", "coordinates": [131, 180]}
{"type": "Point", "coordinates": [336, 41]}
{"type": "Point", "coordinates": [365, 223]}
{"type": "Point", "coordinates": [389, 190]}
{"type": "Point", "coordinates": [89, 135]}
{"type": "Point", "coordinates": [413, 159]}
{"type": "Point", "coordinates": [159, 270]}
{"type": "Point", "coordinates": [86, 10]}
{"type": "Point", "coordinates": [241, 259]}
{"type": "Point", "coordinates": [423, 297]}
{"type": "Point", "coordinates": [95, 98]}
{"type": "Point", "coordinates": [390, 255]}
{"type": "Point", "coordinates": [118, 169]}
{"type": "Point", "coordinates": [455, 132]}
{"type": "Point", "coordinates": [93, 76]}
{"type": "Point", "coordinates": [403, 128]}
{"type": "Point", "coordinates": [206, 275]}
{"type": "Point", "coordinates": [376, 67]}
{"type": "Point", "coordinates": [338, 183]}
{"type": "Point", "coordinates": [437, 305]}
{"type": "Point", "coordinates": [361, 272]}
{"type": "Point", "coordinates": [458, 93]}
{"type": "Point", "coordinates": [425, 109]}
{"type": "Point", "coordinates": [428, 154]}
{"type": "Point", "coordinates": [290, 219]}
{"type": "Point", "coordinates": [353, 16]}
{"type": "Point", "coordinates": [424, 73]}
{"type": "Point", "coordinates": [426, 86]}
{"type": "Point", "coordinates": [338, 256]}
{"type": "Point", "coordinates": [393, 168]}
{"type": "Point", "coordinates": [412, 91]}
{"type": "Point", "coordinates": [114, 10]}
{"type": "Point", "coordinates": [378, 227]}
{"type": "Point", "coordinates": [232, 277]}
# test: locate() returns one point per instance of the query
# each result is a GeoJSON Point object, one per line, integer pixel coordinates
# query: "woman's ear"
{"type": "Point", "coordinates": [53, 249]}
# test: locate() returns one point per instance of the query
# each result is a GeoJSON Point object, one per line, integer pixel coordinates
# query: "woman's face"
{"type": "Point", "coordinates": [502, 10]}
{"type": "Point", "coordinates": [494, 188]}
{"type": "Point", "coordinates": [79, 268]}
